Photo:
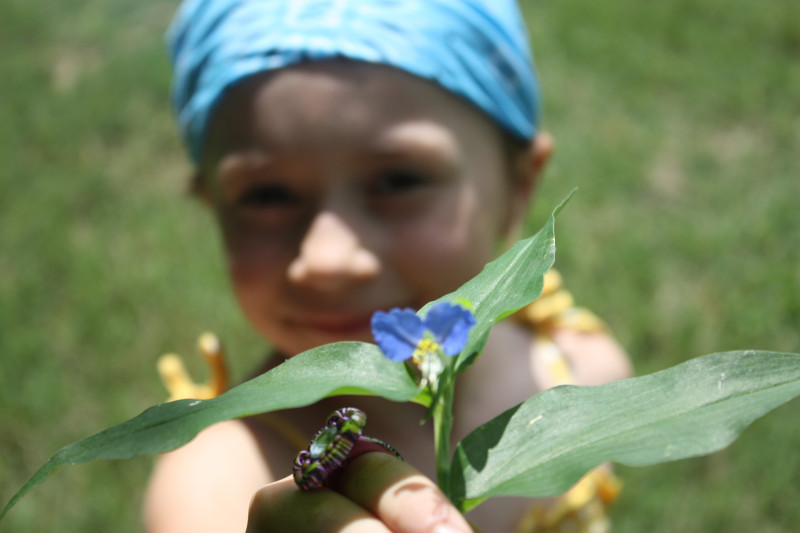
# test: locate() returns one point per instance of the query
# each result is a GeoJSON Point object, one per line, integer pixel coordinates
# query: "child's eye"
{"type": "Point", "coordinates": [266, 196]}
{"type": "Point", "coordinates": [398, 181]}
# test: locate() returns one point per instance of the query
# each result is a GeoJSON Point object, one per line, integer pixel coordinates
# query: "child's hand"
{"type": "Point", "coordinates": [375, 492]}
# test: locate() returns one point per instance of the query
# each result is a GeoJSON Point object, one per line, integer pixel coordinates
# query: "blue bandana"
{"type": "Point", "coordinates": [477, 49]}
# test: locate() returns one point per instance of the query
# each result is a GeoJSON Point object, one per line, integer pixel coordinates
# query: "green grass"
{"type": "Point", "coordinates": [677, 120]}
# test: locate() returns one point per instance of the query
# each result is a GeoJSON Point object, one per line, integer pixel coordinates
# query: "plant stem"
{"type": "Point", "coordinates": [442, 427]}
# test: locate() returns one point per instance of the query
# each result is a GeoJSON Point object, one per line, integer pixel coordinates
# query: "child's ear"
{"type": "Point", "coordinates": [529, 163]}
{"type": "Point", "coordinates": [198, 188]}
{"type": "Point", "coordinates": [540, 151]}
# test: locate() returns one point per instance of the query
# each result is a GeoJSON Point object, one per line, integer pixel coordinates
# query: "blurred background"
{"type": "Point", "coordinates": [678, 121]}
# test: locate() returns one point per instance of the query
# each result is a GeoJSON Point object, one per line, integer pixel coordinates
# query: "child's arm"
{"type": "Point", "coordinates": [184, 492]}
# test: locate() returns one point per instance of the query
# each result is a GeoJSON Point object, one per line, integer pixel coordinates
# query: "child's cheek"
{"type": "Point", "coordinates": [255, 263]}
{"type": "Point", "coordinates": [439, 254]}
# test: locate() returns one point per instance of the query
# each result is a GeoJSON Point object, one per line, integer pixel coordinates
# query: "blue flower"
{"type": "Point", "coordinates": [401, 334]}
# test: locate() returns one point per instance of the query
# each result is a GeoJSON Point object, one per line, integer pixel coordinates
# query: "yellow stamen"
{"type": "Point", "coordinates": [426, 348]}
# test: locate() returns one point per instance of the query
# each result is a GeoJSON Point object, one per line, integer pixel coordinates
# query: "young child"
{"type": "Point", "coordinates": [361, 156]}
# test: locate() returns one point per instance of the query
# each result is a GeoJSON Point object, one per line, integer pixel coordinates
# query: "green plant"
{"type": "Point", "coordinates": [537, 448]}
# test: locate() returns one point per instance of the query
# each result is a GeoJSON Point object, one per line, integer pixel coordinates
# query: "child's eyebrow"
{"type": "Point", "coordinates": [250, 159]}
{"type": "Point", "coordinates": [240, 166]}
{"type": "Point", "coordinates": [415, 138]}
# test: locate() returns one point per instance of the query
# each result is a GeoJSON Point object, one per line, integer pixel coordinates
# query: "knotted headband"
{"type": "Point", "coordinates": [477, 49]}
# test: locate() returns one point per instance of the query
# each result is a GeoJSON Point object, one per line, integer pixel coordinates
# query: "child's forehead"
{"type": "Point", "coordinates": [476, 49]}
{"type": "Point", "coordinates": [344, 88]}
{"type": "Point", "coordinates": [343, 101]}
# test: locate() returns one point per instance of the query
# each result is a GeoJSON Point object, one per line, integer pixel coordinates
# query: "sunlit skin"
{"type": "Point", "coordinates": [345, 188]}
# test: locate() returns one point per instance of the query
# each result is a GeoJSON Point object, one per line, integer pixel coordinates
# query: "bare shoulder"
{"type": "Point", "coordinates": [594, 358]}
{"type": "Point", "coordinates": [207, 484]}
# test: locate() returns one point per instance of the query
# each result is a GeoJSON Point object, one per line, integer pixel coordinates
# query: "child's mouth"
{"type": "Point", "coordinates": [343, 325]}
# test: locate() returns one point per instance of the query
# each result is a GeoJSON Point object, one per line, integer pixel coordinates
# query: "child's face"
{"type": "Point", "coordinates": [344, 188]}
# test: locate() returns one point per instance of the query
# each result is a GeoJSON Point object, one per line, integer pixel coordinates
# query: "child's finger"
{"type": "Point", "coordinates": [402, 498]}
{"type": "Point", "coordinates": [281, 507]}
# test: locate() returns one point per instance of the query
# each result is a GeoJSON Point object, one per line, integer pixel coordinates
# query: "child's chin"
{"type": "Point", "coordinates": [308, 337]}
{"type": "Point", "coordinates": [327, 335]}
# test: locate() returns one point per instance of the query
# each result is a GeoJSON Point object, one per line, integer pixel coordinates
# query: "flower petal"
{"type": "Point", "coordinates": [397, 332]}
{"type": "Point", "coordinates": [450, 324]}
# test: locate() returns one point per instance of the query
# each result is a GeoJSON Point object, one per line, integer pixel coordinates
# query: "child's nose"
{"type": "Point", "coordinates": [332, 256]}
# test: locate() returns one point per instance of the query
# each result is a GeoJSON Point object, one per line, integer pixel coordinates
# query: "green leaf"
{"type": "Point", "coordinates": [330, 370]}
{"type": "Point", "coordinates": [544, 445]}
{"type": "Point", "coordinates": [506, 285]}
